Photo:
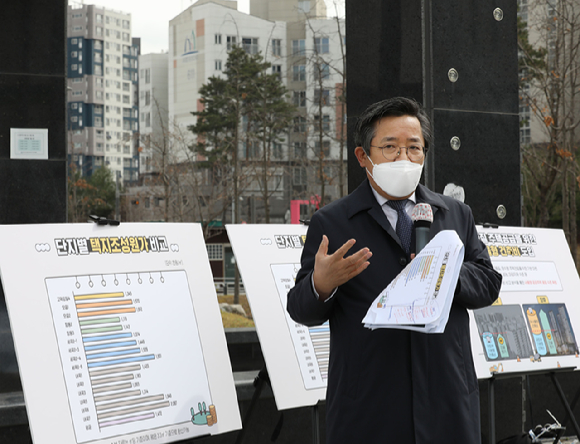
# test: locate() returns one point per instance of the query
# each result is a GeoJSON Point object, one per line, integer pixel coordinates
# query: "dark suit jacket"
{"type": "Point", "coordinates": [386, 385]}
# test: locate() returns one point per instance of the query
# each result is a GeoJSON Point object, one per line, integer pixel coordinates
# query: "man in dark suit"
{"type": "Point", "coordinates": [388, 385]}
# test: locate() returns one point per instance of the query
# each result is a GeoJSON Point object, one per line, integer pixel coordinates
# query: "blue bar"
{"type": "Point", "coordinates": [110, 354]}
{"type": "Point", "coordinates": [104, 338]}
{"type": "Point", "coordinates": [121, 361]}
{"type": "Point", "coordinates": [110, 345]}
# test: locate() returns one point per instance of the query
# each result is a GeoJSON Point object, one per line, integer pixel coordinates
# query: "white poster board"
{"type": "Point", "coordinates": [535, 323]}
{"type": "Point", "coordinates": [117, 332]}
{"type": "Point", "coordinates": [268, 257]}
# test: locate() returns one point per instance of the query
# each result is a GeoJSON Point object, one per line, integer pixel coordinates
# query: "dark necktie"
{"type": "Point", "coordinates": [404, 223]}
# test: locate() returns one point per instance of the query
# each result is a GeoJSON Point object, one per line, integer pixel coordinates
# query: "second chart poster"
{"type": "Point", "coordinates": [534, 325]}
{"type": "Point", "coordinates": [268, 257]}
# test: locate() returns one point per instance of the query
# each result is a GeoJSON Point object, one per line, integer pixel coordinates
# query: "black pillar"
{"type": "Point", "coordinates": [458, 58]}
{"type": "Point", "coordinates": [32, 95]}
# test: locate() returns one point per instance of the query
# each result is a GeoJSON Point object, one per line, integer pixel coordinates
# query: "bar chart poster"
{"type": "Point", "coordinates": [533, 326]}
{"type": "Point", "coordinates": [312, 344]}
{"type": "Point", "coordinates": [118, 333]}
{"type": "Point", "coordinates": [268, 257]}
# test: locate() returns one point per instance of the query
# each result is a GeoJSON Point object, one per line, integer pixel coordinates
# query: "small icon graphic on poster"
{"type": "Point", "coordinates": [205, 416]}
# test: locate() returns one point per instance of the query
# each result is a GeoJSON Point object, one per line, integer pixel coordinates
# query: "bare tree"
{"type": "Point", "coordinates": [549, 63]}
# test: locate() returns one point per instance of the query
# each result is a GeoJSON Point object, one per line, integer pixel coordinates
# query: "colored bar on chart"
{"type": "Point", "coordinates": [121, 361]}
{"type": "Point", "coordinates": [107, 337]}
{"type": "Point", "coordinates": [99, 321]}
{"type": "Point", "coordinates": [106, 312]}
{"type": "Point", "coordinates": [99, 296]}
{"type": "Point", "coordinates": [104, 304]}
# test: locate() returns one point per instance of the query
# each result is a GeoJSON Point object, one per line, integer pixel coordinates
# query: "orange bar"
{"type": "Point", "coordinates": [106, 312]}
{"type": "Point", "coordinates": [104, 304]}
{"type": "Point", "coordinates": [427, 267]}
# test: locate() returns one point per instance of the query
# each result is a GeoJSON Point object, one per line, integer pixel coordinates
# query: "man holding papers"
{"type": "Point", "coordinates": [391, 385]}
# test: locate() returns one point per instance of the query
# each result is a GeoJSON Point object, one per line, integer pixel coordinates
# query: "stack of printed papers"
{"type": "Point", "coordinates": [420, 297]}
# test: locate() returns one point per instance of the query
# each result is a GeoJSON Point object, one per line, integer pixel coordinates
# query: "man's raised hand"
{"type": "Point", "coordinates": [332, 270]}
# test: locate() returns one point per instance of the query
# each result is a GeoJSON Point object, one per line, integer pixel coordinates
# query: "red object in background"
{"type": "Point", "coordinates": [296, 204]}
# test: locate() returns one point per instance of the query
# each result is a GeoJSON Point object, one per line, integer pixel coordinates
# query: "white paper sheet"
{"type": "Point", "coordinates": [420, 297]}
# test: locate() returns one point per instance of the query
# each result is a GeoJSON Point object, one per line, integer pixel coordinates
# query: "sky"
{"type": "Point", "coordinates": [151, 17]}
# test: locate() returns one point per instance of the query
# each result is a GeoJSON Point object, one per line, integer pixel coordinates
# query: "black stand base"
{"type": "Point", "coordinates": [259, 381]}
{"type": "Point", "coordinates": [553, 375]}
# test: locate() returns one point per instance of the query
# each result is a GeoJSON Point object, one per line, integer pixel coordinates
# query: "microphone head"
{"type": "Point", "coordinates": [422, 213]}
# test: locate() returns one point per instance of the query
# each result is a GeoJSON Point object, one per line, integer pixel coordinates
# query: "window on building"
{"type": "Point", "coordinates": [215, 252]}
{"type": "Point", "coordinates": [80, 42]}
{"type": "Point", "coordinates": [147, 98]}
{"type": "Point", "coordinates": [321, 45]}
{"type": "Point", "coordinates": [321, 72]}
{"type": "Point", "coordinates": [298, 47]}
{"type": "Point", "coordinates": [99, 95]}
{"type": "Point", "coordinates": [322, 96]}
{"type": "Point", "coordinates": [217, 39]}
{"type": "Point", "coordinates": [277, 69]}
{"type": "Point", "coordinates": [277, 150]}
{"type": "Point", "coordinates": [99, 31]}
{"type": "Point", "coordinates": [277, 47]}
{"type": "Point", "coordinates": [299, 150]}
{"type": "Point", "coordinates": [231, 41]}
{"type": "Point", "coordinates": [126, 86]}
{"type": "Point", "coordinates": [300, 98]}
{"type": "Point", "coordinates": [299, 73]}
{"type": "Point", "coordinates": [148, 120]}
{"type": "Point", "coordinates": [74, 67]}
{"type": "Point", "coordinates": [147, 75]}
{"type": "Point", "coordinates": [74, 54]}
{"type": "Point", "coordinates": [299, 176]}
{"type": "Point", "coordinates": [99, 122]}
{"type": "Point", "coordinates": [304, 6]}
{"type": "Point", "coordinates": [218, 65]}
{"type": "Point", "coordinates": [74, 41]}
{"type": "Point", "coordinates": [325, 122]}
{"type": "Point", "coordinates": [325, 148]}
{"type": "Point", "coordinates": [250, 45]}
{"type": "Point", "coordinates": [299, 124]}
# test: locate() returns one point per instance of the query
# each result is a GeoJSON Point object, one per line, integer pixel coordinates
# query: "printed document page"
{"type": "Point", "coordinates": [420, 297]}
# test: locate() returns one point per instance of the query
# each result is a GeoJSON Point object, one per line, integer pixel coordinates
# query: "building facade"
{"type": "Point", "coordinates": [103, 119]}
{"type": "Point", "coordinates": [153, 110]}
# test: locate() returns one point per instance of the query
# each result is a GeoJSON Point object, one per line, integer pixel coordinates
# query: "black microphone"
{"type": "Point", "coordinates": [422, 217]}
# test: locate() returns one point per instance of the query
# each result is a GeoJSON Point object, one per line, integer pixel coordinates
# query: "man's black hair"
{"type": "Point", "coordinates": [397, 106]}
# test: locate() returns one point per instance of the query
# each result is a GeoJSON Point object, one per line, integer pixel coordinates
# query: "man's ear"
{"type": "Point", "coordinates": [360, 155]}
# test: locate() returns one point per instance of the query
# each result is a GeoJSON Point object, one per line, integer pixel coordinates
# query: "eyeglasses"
{"type": "Point", "coordinates": [391, 152]}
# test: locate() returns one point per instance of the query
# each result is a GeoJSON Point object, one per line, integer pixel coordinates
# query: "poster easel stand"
{"type": "Point", "coordinates": [553, 375]}
{"type": "Point", "coordinates": [259, 381]}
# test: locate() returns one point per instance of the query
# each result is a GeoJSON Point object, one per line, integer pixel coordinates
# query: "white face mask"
{"type": "Point", "coordinates": [397, 179]}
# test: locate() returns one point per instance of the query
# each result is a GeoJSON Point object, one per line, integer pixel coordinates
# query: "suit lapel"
{"type": "Point", "coordinates": [363, 199]}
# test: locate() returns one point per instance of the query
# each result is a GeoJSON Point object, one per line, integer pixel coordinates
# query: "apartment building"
{"type": "Point", "coordinates": [199, 40]}
{"type": "Point", "coordinates": [153, 110]}
{"type": "Point", "coordinates": [103, 119]}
